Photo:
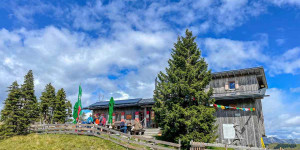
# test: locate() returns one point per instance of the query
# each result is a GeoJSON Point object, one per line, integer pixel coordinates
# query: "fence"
{"type": "Point", "coordinates": [117, 137]}
{"type": "Point", "coordinates": [201, 146]}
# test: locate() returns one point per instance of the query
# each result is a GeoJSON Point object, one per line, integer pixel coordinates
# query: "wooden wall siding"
{"type": "Point", "coordinates": [260, 115]}
{"type": "Point", "coordinates": [250, 123]}
{"type": "Point", "coordinates": [245, 83]}
{"type": "Point", "coordinates": [128, 111]}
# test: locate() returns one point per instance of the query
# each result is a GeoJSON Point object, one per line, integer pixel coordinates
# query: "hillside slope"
{"type": "Point", "coordinates": [57, 142]}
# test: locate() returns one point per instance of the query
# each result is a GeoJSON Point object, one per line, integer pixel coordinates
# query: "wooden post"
{"type": "Point", "coordinates": [108, 132]}
{"type": "Point", "coordinates": [191, 143]}
{"type": "Point", "coordinates": [93, 129]}
{"type": "Point", "coordinates": [179, 142]}
{"type": "Point", "coordinates": [128, 142]}
{"type": "Point", "coordinates": [46, 128]}
{"type": "Point", "coordinates": [145, 119]}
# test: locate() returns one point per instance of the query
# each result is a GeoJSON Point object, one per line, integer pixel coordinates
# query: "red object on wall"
{"type": "Point", "coordinates": [147, 116]}
{"type": "Point", "coordinates": [122, 115]}
{"type": "Point", "coordinates": [114, 117]}
{"type": "Point", "coordinates": [136, 115]}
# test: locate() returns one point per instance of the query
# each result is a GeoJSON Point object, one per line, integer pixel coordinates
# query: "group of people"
{"type": "Point", "coordinates": [101, 121]}
{"type": "Point", "coordinates": [135, 126]}
{"type": "Point", "coordinates": [97, 119]}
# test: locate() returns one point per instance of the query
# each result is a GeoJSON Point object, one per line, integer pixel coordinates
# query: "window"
{"type": "Point", "coordinates": [232, 85]}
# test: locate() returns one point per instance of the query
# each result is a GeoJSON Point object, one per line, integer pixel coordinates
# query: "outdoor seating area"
{"type": "Point", "coordinates": [130, 126]}
{"type": "Point", "coordinates": [128, 110]}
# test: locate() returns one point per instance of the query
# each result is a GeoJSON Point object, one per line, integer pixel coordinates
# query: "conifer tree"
{"type": "Point", "coordinates": [30, 104]}
{"type": "Point", "coordinates": [69, 111]}
{"type": "Point", "coordinates": [11, 115]}
{"type": "Point", "coordinates": [48, 101]}
{"type": "Point", "coordinates": [181, 102]}
{"type": "Point", "coordinates": [60, 113]}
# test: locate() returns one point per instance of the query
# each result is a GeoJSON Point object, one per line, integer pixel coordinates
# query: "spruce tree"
{"type": "Point", "coordinates": [29, 100]}
{"type": "Point", "coordinates": [47, 106]}
{"type": "Point", "coordinates": [181, 102]}
{"type": "Point", "coordinates": [60, 113]}
{"type": "Point", "coordinates": [11, 115]}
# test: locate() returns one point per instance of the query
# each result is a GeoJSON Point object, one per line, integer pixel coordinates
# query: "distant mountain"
{"type": "Point", "coordinates": [269, 140]}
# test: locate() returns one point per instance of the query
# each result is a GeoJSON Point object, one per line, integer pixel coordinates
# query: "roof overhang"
{"type": "Point", "coordinates": [258, 94]}
{"type": "Point", "coordinates": [259, 71]}
{"type": "Point", "coordinates": [122, 103]}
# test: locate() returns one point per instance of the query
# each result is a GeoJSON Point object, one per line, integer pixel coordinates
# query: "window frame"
{"type": "Point", "coordinates": [229, 87]}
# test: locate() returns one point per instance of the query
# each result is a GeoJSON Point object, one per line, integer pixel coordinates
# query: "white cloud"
{"type": "Point", "coordinates": [233, 54]}
{"type": "Point", "coordinates": [24, 12]}
{"type": "Point", "coordinates": [87, 17]}
{"type": "Point", "coordinates": [66, 59]}
{"type": "Point", "coordinates": [288, 62]}
{"type": "Point", "coordinates": [285, 2]}
{"type": "Point", "coordinates": [118, 15]}
{"type": "Point", "coordinates": [230, 54]}
{"type": "Point", "coordinates": [293, 120]}
{"type": "Point", "coordinates": [122, 96]}
{"type": "Point", "coordinates": [281, 119]}
{"type": "Point", "coordinates": [280, 41]}
{"type": "Point", "coordinates": [295, 90]}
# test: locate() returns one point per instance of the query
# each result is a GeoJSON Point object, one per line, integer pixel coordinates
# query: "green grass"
{"type": "Point", "coordinates": [57, 142]}
{"type": "Point", "coordinates": [273, 145]}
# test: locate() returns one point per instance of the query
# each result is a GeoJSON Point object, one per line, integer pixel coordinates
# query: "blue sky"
{"type": "Point", "coordinates": [116, 48]}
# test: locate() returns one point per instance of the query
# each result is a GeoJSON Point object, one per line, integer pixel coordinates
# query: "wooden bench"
{"type": "Point", "coordinates": [137, 132]}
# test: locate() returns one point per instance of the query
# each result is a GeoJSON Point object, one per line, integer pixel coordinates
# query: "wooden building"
{"type": "Point", "coordinates": [242, 89]}
{"type": "Point", "coordinates": [128, 109]}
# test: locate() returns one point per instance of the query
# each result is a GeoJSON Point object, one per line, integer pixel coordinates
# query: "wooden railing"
{"type": "Point", "coordinates": [201, 146]}
{"type": "Point", "coordinates": [117, 137]}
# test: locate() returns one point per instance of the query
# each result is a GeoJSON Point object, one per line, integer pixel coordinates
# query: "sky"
{"type": "Point", "coordinates": [117, 48]}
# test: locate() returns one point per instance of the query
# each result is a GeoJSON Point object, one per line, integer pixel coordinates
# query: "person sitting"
{"type": "Point", "coordinates": [136, 125]}
{"type": "Point", "coordinates": [103, 122]}
{"type": "Point", "coordinates": [97, 121]}
{"type": "Point", "coordinates": [100, 119]}
{"type": "Point", "coordinates": [90, 120]}
{"type": "Point", "coordinates": [123, 126]}
{"type": "Point", "coordinates": [94, 118]}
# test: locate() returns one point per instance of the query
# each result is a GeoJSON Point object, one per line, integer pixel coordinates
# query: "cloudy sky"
{"type": "Point", "coordinates": [116, 48]}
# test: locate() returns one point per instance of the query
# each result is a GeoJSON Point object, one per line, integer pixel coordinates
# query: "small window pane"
{"type": "Point", "coordinates": [231, 85]}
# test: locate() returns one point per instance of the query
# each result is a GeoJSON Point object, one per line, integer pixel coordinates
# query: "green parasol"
{"type": "Point", "coordinates": [111, 109]}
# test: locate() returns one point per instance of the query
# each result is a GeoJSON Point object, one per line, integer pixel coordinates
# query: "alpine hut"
{"type": "Point", "coordinates": [238, 95]}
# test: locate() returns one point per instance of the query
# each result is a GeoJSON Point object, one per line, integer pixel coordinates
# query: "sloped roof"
{"type": "Point", "coordinates": [122, 103]}
{"type": "Point", "coordinates": [240, 72]}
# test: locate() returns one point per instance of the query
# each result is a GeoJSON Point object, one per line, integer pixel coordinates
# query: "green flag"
{"type": "Point", "coordinates": [111, 109]}
{"type": "Point", "coordinates": [77, 107]}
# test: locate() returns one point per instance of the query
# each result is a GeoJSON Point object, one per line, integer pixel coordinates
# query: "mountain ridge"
{"type": "Point", "coordinates": [269, 140]}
